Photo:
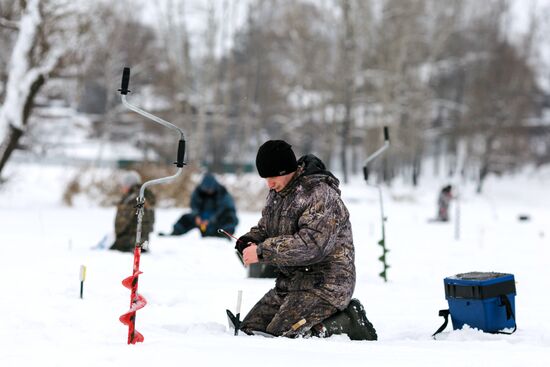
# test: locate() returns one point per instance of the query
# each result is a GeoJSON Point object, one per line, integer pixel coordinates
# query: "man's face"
{"type": "Point", "coordinates": [278, 183]}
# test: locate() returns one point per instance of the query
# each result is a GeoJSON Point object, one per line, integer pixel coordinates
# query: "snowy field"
{"type": "Point", "coordinates": [189, 282]}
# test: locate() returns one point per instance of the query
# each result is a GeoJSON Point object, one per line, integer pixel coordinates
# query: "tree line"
{"type": "Point", "coordinates": [449, 78]}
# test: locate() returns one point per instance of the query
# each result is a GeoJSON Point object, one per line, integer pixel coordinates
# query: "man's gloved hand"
{"type": "Point", "coordinates": [243, 242]}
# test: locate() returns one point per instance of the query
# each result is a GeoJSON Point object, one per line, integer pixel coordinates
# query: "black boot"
{"type": "Point", "coordinates": [361, 327]}
{"type": "Point", "coordinates": [351, 321]}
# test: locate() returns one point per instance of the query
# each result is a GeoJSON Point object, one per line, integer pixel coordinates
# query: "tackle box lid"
{"type": "Point", "coordinates": [479, 278]}
{"type": "Point", "coordinates": [479, 285]}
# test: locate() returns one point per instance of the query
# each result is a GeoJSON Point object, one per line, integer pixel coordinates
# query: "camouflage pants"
{"type": "Point", "coordinates": [276, 312]}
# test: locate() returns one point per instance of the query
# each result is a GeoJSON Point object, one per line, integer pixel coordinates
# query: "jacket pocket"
{"type": "Point", "coordinates": [304, 281]}
{"type": "Point", "coordinates": [288, 222]}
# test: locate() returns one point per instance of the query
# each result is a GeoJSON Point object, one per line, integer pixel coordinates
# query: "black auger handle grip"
{"type": "Point", "coordinates": [366, 173]}
{"type": "Point", "coordinates": [386, 134]}
{"type": "Point", "coordinates": [181, 153]}
{"type": "Point", "coordinates": [125, 81]}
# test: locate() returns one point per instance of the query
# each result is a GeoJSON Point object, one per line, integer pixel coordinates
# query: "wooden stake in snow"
{"type": "Point", "coordinates": [82, 279]}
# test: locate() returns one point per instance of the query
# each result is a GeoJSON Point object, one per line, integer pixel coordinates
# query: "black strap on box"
{"type": "Point", "coordinates": [503, 300]}
{"type": "Point", "coordinates": [509, 313]}
{"type": "Point", "coordinates": [445, 315]}
{"type": "Point", "coordinates": [480, 291]}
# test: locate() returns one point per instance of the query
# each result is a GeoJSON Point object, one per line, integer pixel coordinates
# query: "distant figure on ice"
{"type": "Point", "coordinates": [443, 201]}
{"type": "Point", "coordinates": [126, 218]}
{"type": "Point", "coordinates": [212, 208]}
{"type": "Point", "coordinates": [305, 232]}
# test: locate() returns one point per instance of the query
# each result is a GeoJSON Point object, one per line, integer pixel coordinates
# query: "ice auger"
{"type": "Point", "coordinates": [137, 301]}
{"type": "Point", "coordinates": [382, 242]}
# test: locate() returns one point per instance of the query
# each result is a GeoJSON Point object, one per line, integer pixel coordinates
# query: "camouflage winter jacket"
{"type": "Point", "coordinates": [305, 231]}
{"type": "Point", "coordinates": [126, 219]}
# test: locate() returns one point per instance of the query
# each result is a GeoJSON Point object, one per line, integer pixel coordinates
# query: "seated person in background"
{"type": "Point", "coordinates": [126, 218]}
{"type": "Point", "coordinates": [443, 201]}
{"type": "Point", "coordinates": [212, 207]}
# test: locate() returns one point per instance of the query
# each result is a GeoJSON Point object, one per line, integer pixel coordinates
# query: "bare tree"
{"type": "Point", "coordinates": [396, 85]}
{"type": "Point", "coordinates": [501, 99]}
{"type": "Point", "coordinates": [116, 40]}
{"type": "Point", "coordinates": [348, 50]}
{"type": "Point", "coordinates": [36, 53]}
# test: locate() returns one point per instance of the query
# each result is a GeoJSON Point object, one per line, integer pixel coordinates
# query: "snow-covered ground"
{"type": "Point", "coordinates": [189, 282]}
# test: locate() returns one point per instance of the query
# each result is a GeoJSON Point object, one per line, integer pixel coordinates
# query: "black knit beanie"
{"type": "Point", "coordinates": [275, 158]}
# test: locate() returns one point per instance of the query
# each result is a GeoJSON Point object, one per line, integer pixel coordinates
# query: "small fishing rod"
{"type": "Point", "coordinates": [229, 235]}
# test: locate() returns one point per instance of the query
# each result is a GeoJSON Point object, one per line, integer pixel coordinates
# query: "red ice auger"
{"type": "Point", "coordinates": [137, 301]}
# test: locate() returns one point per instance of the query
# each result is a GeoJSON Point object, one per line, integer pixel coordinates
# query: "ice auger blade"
{"type": "Point", "coordinates": [137, 301]}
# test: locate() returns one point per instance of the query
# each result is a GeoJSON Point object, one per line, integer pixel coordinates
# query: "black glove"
{"type": "Point", "coordinates": [243, 242]}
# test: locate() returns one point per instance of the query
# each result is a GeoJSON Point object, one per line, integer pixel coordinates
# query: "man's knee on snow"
{"type": "Point", "coordinates": [276, 328]}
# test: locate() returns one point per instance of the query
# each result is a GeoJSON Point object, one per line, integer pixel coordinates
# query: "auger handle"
{"type": "Point", "coordinates": [181, 153]}
{"type": "Point", "coordinates": [181, 145]}
{"type": "Point", "coordinates": [377, 153]}
{"type": "Point", "coordinates": [125, 81]}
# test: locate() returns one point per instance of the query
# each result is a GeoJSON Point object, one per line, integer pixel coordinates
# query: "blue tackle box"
{"type": "Point", "coordinates": [482, 300]}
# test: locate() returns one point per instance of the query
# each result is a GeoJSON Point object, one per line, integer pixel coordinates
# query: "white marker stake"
{"type": "Point", "coordinates": [238, 314]}
{"type": "Point", "coordinates": [239, 300]}
{"type": "Point", "coordinates": [82, 279]}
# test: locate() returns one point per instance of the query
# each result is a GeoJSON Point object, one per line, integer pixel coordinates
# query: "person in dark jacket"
{"type": "Point", "coordinates": [126, 218]}
{"type": "Point", "coordinates": [212, 208]}
{"type": "Point", "coordinates": [305, 232]}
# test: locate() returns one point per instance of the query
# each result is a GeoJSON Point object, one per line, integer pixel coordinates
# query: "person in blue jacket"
{"type": "Point", "coordinates": [212, 207]}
